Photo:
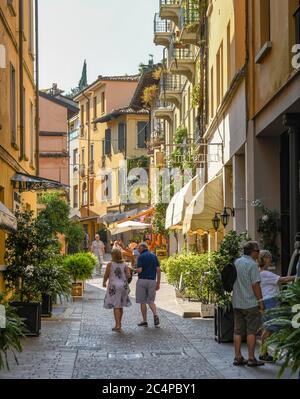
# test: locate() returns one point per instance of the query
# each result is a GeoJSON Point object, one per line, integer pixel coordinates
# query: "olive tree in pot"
{"type": "Point", "coordinates": [80, 267]}
{"type": "Point", "coordinates": [26, 249]}
{"type": "Point", "coordinates": [53, 281]}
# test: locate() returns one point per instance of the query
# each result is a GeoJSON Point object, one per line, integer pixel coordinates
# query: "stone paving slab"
{"type": "Point", "coordinates": [79, 344]}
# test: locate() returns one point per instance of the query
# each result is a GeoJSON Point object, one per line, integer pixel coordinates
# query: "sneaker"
{"type": "Point", "coordinates": [156, 321]}
{"type": "Point", "coordinates": [267, 358]}
{"type": "Point", "coordinates": [143, 324]}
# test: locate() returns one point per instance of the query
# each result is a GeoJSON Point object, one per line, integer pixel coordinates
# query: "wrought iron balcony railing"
{"type": "Point", "coordinates": [169, 2]}
{"type": "Point", "coordinates": [161, 25]}
{"type": "Point", "coordinates": [171, 83]}
{"type": "Point", "coordinates": [164, 105]}
{"type": "Point", "coordinates": [184, 53]}
{"type": "Point", "coordinates": [190, 15]}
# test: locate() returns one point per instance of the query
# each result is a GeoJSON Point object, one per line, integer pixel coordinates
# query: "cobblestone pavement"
{"type": "Point", "coordinates": [79, 344]}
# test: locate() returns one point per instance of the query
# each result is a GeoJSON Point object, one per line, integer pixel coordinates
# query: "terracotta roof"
{"type": "Point", "coordinates": [146, 80]}
{"type": "Point", "coordinates": [122, 111]}
{"type": "Point", "coordinates": [120, 78]}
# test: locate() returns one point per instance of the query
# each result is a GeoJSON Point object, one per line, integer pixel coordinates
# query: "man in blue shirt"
{"type": "Point", "coordinates": [148, 269]}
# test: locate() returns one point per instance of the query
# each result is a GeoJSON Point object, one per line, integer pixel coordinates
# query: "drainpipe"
{"type": "Point", "coordinates": [21, 79]}
{"type": "Point", "coordinates": [37, 97]}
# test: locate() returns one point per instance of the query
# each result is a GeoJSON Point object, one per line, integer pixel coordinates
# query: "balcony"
{"type": "Point", "coordinates": [170, 9]}
{"type": "Point", "coordinates": [189, 24]}
{"type": "Point", "coordinates": [181, 60]}
{"type": "Point", "coordinates": [164, 111]}
{"type": "Point", "coordinates": [162, 31]}
{"type": "Point", "coordinates": [82, 171]}
{"type": "Point", "coordinates": [171, 87]}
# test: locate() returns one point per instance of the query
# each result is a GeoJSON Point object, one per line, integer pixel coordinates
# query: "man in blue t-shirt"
{"type": "Point", "coordinates": [148, 269]}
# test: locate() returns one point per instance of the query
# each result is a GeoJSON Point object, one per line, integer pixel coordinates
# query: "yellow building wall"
{"type": "Point", "coordinates": [10, 162]}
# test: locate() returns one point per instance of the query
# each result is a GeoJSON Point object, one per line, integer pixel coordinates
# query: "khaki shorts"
{"type": "Point", "coordinates": [247, 321]}
{"type": "Point", "coordinates": [145, 291]}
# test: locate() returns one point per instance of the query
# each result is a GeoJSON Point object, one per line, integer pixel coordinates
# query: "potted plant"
{"type": "Point", "coordinates": [80, 267]}
{"type": "Point", "coordinates": [53, 280]}
{"type": "Point", "coordinates": [230, 250]}
{"type": "Point", "coordinates": [26, 248]}
{"type": "Point", "coordinates": [10, 335]}
{"type": "Point", "coordinates": [286, 340]}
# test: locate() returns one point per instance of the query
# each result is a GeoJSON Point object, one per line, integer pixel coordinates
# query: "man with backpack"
{"type": "Point", "coordinates": [247, 304]}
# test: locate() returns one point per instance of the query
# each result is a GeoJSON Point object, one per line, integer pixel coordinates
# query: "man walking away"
{"type": "Point", "coordinates": [247, 304]}
{"type": "Point", "coordinates": [148, 269]}
{"type": "Point", "coordinates": [98, 249]}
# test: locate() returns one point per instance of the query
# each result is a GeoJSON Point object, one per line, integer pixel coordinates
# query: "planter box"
{"type": "Point", "coordinates": [207, 310]}
{"type": "Point", "coordinates": [77, 290]}
{"type": "Point", "coordinates": [31, 313]}
{"type": "Point", "coordinates": [46, 305]}
{"type": "Point", "coordinates": [224, 325]}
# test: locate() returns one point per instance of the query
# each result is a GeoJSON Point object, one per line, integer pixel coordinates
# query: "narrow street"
{"type": "Point", "coordinates": [78, 343]}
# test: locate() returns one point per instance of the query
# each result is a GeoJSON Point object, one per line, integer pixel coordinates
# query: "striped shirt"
{"type": "Point", "coordinates": [247, 275]}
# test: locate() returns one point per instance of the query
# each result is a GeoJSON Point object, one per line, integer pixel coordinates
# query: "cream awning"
{"type": "Point", "coordinates": [202, 209]}
{"type": "Point", "coordinates": [8, 221]}
{"type": "Point", "coordinates": [128, 226]}
{"type": "Point", "coordinates": [179, 203]}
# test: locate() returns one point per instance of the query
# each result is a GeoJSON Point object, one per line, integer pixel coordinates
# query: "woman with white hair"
{"type": "Point", "coordinates": [270, 286]}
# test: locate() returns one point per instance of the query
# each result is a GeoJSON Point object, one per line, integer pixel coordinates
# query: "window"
{"type": "Point", "coordinates": [75, 157]}
{"type": "Point", "coordinates": [87, 107]}
{"type": "Point", "coordinates": [107, 144]}
{"type": "Point", "coordinates": [212, 111]}
{"type": "Point", "coordinates": [265, 21]}
{"type": "Point", "coordinates": [13, 113]}
{"type": "Point", "coordinates": [84, 194]}
{"type": "Point", "coordinates": [31, 34]}
{"type": "Point", "coordinates": [91, 191]}
{"type": "Point", "coordinates": [121, 137]}
{"type": "Point", "coordinates": [31, 139]}
{"type": "Point", "coordinates": [228, 55]}
{"type": "Point", "coordinates": [95, 112]}
{"type": "Point", "coordinates": [107, 187]}
{"type": "Point", "coordinates": [82, 119]}
{"type": "Point", "coordinates": [92, 158]}
{"type": "Point", "coordinates": [75, 197]}
{"type": "Point", "coordinates": [82, 156]}
{"type": "Point", "coordinates": [220, 85]}
{"type": "Point", "coordinates": [23, 129]}
{"type": "Point", "coordinates": [103, 102]}
{"type": "Point", "coordinates": [142, 134]}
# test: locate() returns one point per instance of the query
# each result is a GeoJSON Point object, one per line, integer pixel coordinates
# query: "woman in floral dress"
{"type": "Point", "coordinates": [117, 294]}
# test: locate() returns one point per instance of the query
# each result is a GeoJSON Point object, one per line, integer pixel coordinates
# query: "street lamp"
{"type": "Point", "coordinates": [216, 221]}
{"type": "Point", "coordinates": [225, 215]}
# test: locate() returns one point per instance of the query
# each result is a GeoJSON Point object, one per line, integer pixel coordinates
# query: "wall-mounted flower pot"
{"type": "Point", "coordinates": [31, 313]}
{"type": "Point", "coordinates": [77, 290]}
{"type": "Point", "coordinates": [46, 305]}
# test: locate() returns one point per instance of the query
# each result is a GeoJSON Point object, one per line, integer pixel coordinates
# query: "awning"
{"type": "Point", "coordinates": [179, 203]}
{"type": "Point", "coordinates": [117, 216]}
{"type": "Point", "coordinates": [24, 182]}
{"type": "Point", "coordinates": [205, 204]}
{"type": "Point", "coordinates": [147, 212]}
{"type": "Point", "coordinates": [128, 226]}
{"type": "Point", "coordinates": [8, 221]}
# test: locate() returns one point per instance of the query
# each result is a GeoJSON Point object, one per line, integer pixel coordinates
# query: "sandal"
{"type": "Point", "coordinates": [239, 361]}
{"type": "Point", "coordinates": [143, 324]}
{"type": "Point", "coordinates": [255, 363]}
{"type": "Point", "coordinates": [115, 329]}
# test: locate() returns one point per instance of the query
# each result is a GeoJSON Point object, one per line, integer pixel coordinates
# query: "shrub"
{"type": "Point", "coordinates": [80, 266]}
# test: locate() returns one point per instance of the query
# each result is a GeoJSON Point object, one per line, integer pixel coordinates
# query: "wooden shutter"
{"type": "Point", "coordinates": [108, 142]}
{"type": "Point", "coordinates": [121, 136]}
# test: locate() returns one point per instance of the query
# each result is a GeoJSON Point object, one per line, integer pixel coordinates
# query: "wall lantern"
{"type": "Point", "coordinates": [225, 216]}
{"type": "Point", "coordinates": [216, 221]}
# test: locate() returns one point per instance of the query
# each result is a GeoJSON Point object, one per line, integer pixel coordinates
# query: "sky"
{"type": "Point", "coordinates": [114, 36]}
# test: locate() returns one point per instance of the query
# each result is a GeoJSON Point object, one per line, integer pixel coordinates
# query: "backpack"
{"type": "Point", "coordinates": [229, 276]}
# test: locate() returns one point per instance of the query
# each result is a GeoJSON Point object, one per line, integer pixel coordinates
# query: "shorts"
{"type": "Point", "coordinates": [247, 321]}
{"type": "Point", "coordinates": [145, 291]}
{"type": "Point", "coordinates": [270, 303]}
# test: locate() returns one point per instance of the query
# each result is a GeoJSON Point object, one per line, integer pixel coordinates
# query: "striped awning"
{"type": "Point", "coordinates": [8, 221]}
